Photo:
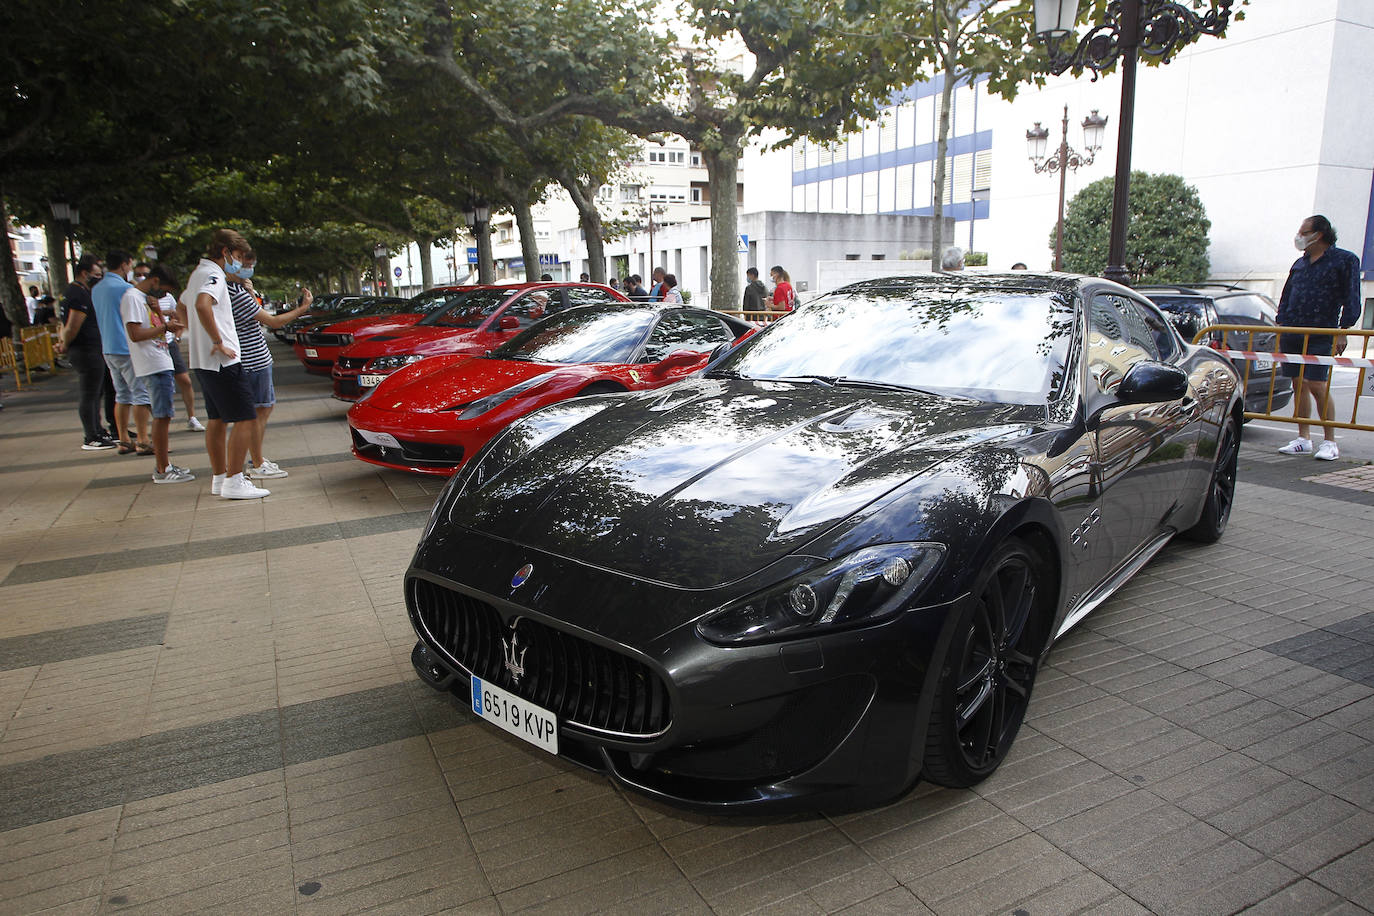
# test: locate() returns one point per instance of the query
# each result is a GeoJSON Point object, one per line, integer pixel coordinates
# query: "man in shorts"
{"type": "Point", "coordinates": [152, 363]}
{"type": "Point", "coordinates": [130, 395]}
{"type": "Point", "coordinates": [214, 348]}
{"type": "Point", "coordinates": [1322, 291]}
{"type": "Point", "coordinates": [181, 372]}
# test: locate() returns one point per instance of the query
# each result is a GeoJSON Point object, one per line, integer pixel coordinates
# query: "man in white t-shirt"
{"type": "Point", "coordinates": [214, 351]}
{"type": "Point", "coordinates": [152, 363]}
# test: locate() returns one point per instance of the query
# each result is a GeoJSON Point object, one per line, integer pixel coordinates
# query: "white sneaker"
{"type": "Point", "coordinates": [216, 484]}
{"type": "Point", "coordinates": [1327, 451]}
{"type": "Point", "coordinates": [173, 474]}
{"type": "Point", "coordinates": [268, 468]}
{"type": "Point", "coordinates": [195, 425]}
{"type": "Point", "coordinates": [1298, 446]}
{"type": "Point", "coordinates": [238, 487]}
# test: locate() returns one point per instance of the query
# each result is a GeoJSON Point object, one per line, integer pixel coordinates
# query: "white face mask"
{"type": "Point", "coordinates": [1303, 242]}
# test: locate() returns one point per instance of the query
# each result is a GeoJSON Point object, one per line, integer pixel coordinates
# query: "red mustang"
{"type": "Point", "coordinates": [317, 345]}
{"type": "Point", "coordinates": [482, 318]}
{"type": "Point", "coordinates": [433, 416]}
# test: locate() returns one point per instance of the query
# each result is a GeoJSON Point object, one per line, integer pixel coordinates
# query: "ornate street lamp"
{"type": "Point", "coordinates": [67, 216]}
{"type": "Point", "coordinates": [1064, 160]}
{"type": "Point", "coordinates": [1158, 28]}
{"type": "Point", "coordinates": [149, 252]}
{"type": "Point", "coordinates": [379, 253]}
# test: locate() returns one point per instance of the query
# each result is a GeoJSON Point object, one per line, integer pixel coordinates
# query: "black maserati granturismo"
{"type": "Point", "coordinates": [832, 563]}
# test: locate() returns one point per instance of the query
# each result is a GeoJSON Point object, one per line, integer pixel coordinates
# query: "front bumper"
{"type": "Point", "coordinates": [835, 721]}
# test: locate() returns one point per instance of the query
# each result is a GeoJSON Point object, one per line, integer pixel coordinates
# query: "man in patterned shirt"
{"type": "Point", "coordinates": [1322, 291]}
{"type": "Point", "coordinates": [249, 319]}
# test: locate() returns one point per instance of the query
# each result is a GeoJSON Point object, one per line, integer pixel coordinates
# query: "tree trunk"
{"type": "Point", "coordinates": [11, 292]}
{"type": "Point", "coordinates": [722, 169]}
{"type": "Point", "coordinates": [529, 245]}
{"type": "Point", "coordinates": [58, 278]}
{"type": "Point", "coordinates": [426, 245]}
{"type": "Point", "coordinates": [590, 221]}
{"type": "Point", "coordinates": [937, 240]}
{"type": "Point", "coordinates": [486, 267]}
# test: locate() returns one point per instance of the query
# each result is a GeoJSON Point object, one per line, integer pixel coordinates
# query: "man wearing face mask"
{"type": "Point", "coordinates": [130, 394]}
{"type": "Point", "coordinates": [1322, 291]}
{"type": "Point", "coordinates": [205, 309]}
{"type": "Point", "coordinates": [80, 340]}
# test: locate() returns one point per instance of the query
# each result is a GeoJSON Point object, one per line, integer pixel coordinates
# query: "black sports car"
{"type": "Point", "coordinates": [832, 563]}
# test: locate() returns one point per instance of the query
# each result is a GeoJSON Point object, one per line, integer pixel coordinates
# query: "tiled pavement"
{"type": "Point", "coordinates": [208, 706]}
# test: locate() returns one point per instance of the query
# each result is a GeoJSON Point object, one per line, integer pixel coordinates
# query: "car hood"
{"type": "Point", "coordinates": [371, 324]}
{"type": "Point", "coordinates": [457, 383]}
{"type": "Point", "coordinates": [426, 340]}
{"type": "Point", "coordinates": [699, 484]}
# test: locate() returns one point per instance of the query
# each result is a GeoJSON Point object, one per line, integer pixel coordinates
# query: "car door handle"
{"type": "Point", "coordinates": [1189, 405]}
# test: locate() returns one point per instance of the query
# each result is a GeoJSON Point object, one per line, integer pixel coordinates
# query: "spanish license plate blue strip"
{"type": "Point", "coordinates": [521, 718]}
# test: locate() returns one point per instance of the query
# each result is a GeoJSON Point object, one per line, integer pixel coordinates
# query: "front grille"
{"type": "Point", "coordinates": [324, 340]}
{"type": "Point", "coordinates": [353, 362]}
{"type": "Point", "coordinates": [581, 682]}
{"type": "Point", "coordinates": [416, 454]}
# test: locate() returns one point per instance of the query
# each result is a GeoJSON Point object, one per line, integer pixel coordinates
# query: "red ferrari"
{"type": "Point", "coordinates": [482, 318]}
{"type": "Point", "coordinates": [317, 346]}
{"type": "Point", "coordinates": [433, 416]}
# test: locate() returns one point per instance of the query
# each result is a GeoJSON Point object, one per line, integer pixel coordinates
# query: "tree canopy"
{"type": "Point", "coordinates": [1166, 237]}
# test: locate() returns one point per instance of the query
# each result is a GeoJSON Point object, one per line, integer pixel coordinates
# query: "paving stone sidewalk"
{"type": "Point", "coordinates": [208, 706]}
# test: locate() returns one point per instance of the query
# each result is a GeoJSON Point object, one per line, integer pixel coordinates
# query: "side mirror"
{"type": "Point", "coordinates": [509, 323]}
{"type": "Point", "coordinates": [1151, 382]}
{"type": "Point", "coordinates": [718, 351]}
{"type": "Point", "coordinates": [678, 359]}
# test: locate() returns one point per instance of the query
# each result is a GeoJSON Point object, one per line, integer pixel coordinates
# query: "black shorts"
{"type": "Point", "coordinates": [228, 396]}
{"type": "Point", "coordinates": [1319, 345]}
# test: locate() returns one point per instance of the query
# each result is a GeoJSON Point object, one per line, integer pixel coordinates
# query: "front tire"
{"type": "Point", "coordinates": [990, 666]}
{"type": "Point", "coordinates": [1221, 489]}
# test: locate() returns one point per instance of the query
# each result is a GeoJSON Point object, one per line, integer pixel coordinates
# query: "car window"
{"type": "Point", "coordinates": [598, 334]}
{"type": "Point", "coordinates": [1158, 328]}
{"type": "Point", "coordinates": [1187, 313]}
{"type": "Point", "coordinates": [467, 310]}
{"type": "Point", "coordinates": [434, 300]}
{"type": "Point", "coordinates": [589, 295]}
{"type": "Point", "coordinates": [1118, 338]}
{"type": "Point", "coordinates": [530, 307]}
{"type": "Point", "coordinates": [1254, 307]}
{"type": "Point", "coordinates": [685, 331]}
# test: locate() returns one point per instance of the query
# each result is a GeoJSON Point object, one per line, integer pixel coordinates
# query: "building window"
{"type": "Point", "coordinates": [696, 159]}
{"type": "Point", "coordinates": [696, 195]}
{"type": "Point", "coordinates": [851, 257]}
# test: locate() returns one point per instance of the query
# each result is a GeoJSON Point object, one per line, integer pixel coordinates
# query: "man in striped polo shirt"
{"type": "Point", "coordinates": [249, 320]}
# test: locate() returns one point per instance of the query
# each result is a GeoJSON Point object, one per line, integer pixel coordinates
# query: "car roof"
{"type": "Point", "coordinates": [1019, 281]}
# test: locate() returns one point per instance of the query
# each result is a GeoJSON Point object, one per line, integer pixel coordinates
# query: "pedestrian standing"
{"type": "Point", "coordinates": [1322, 291]}
{"type": "Point", "coordinates": [214, 349]}
{"type": "Point", "coordinates": [671, 294]}
{"type": "Point", "coordinates": [784, 299]}
{"type": "Point", "coordinates": [80, 341]}
{"type": "Point", "coordinates": [32, 303]}
{"type": "Point", "coordinates": [952, 259]}
{"type": "Point", "coordinates": [181, 372]}
{"type": "Point", "coordinates": [656, 288]}
{"type": "Point", "coordinates": [249, 320]}
{"type": "Point", "coordinates": [130, 394]}
{"type": "Point", "coordinates": [152, 363]}
{"type": "Point", "coordinates": [754, 291]}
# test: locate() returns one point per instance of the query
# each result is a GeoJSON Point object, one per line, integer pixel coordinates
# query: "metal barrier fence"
{"type": "Point", "coordinates": [1224, 337]}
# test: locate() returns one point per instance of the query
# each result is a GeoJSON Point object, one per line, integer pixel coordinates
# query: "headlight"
{"type": "Point", "coordinates": [482, 405]}
{"type": "Point", "coordinates": [394, 362]}
{"type": "Point", "coordinates": [522, 437]}
{"type": "Point", "coordinates": [863, 587]}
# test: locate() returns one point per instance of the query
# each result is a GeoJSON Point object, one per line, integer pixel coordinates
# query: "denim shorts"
{"type": "Point", "coordinates": [260, 383]}
{"type": "Point", "coordinates": [160, 393]}
{"type": "Point", "coordinates": [129, 388]}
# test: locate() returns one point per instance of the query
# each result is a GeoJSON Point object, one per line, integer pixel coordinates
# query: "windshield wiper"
{"type": "Point", "coordinates": [724, 373]}
{"type": "Point", "coordinates": [894, 386]}
{"type": "Point", "coordinates": [827, 381]}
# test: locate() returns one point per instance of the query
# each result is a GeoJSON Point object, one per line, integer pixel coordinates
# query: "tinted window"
{"type": "Point", "coordinates": [467, 310]}
{"type": "Point", "coordinates": [530, 307]}
{"type": "Point", "coordinates": [1254, 307]}
{"type": "Point", "coordinates": [598, 334]}
{"type": "Point", "coordinates": [685, 331]}
{"type": "Point", "coordinates": [589, 295]}
{"type": "Point", "coordinates": [1120, 334]}
{"type": "Point", "coordinates": [434, 300]}
{"type": "Point", "coordinates": [996, 345]}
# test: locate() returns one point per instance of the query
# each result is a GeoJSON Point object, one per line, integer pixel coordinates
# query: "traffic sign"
{"type": "Point", "coordinates": [397, 272]}
{"type": "Point", "coordinates": [742, 244]}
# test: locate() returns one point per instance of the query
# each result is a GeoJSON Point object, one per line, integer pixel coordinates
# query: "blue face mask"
{"type": "Point", "coordinates": [245, 273]}
{"type": "Point", "coordinates": [232, 267]}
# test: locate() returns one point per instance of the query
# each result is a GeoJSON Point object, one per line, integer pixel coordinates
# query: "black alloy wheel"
{"type": "Point", "coordinates": [989, 668]}
{"type": "Point", "coordinates": [1221, 491]}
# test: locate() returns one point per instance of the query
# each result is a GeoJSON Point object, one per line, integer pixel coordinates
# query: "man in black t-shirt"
{"type": "Point", "coordinates": [80, 340]}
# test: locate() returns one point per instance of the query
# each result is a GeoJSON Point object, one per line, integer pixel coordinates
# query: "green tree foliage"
{"type": "Point", "coordinates": [1166, 237]}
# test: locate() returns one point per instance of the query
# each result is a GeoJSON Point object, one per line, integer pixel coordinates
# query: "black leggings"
{"type": "Point", "coordinates": [89, 364]}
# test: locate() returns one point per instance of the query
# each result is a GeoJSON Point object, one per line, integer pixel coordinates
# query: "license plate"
{"type": "Point", "coordinates": [370, 381]}
{"type": "Point", "coordinates": [521, 718]}
{"type": "Point", "coordinates": [312, 353]}
{"type": "Point", "coordinates": [385, 440]}
{"type": "Point", "coordinates": [1264, 365]}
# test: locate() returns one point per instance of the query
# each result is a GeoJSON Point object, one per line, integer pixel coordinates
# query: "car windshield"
{"type": "Point", "coordinates": [431, 301]}
{"type": "Point", "coordinates": [467, 310]}
{"type": "Point", "coordinates": [590, 334]}
{"type": "Point", "coordinates": [995, 345]}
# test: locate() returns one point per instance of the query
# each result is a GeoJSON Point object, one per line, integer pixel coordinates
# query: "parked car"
{"type": "Point", "coordinates": [475, 321]}
{"type": "Point", "coordinates": [317, 343]}
{"type": "Point", "coordinates": [434, 415]}
{"type": "Point", "coordinates": [1192, 308]}
{"type": "Point", "coordinates": [835, 559]}
{"type": "Point", "coordinates": [323, 307]}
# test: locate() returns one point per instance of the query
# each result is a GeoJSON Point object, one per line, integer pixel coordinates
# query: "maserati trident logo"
{"type": "Point", "coordinates": [521, 575]}
{"type": "Point", "coordinates": [515, 656]}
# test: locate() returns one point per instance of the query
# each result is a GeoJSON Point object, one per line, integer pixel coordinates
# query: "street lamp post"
{"type": "Point", "coordinates": [149, 252]}
{"type": "Point", "coordinates": [1065, 159]}
{"type": "Point", "coordinates": [476, 215]}
{"type": "Point", "coordinates": [379, 253]}
{"type": "Point", "coordinates": [67, 217]}
{"type": "Point", "coordinates": [1158, 28]}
